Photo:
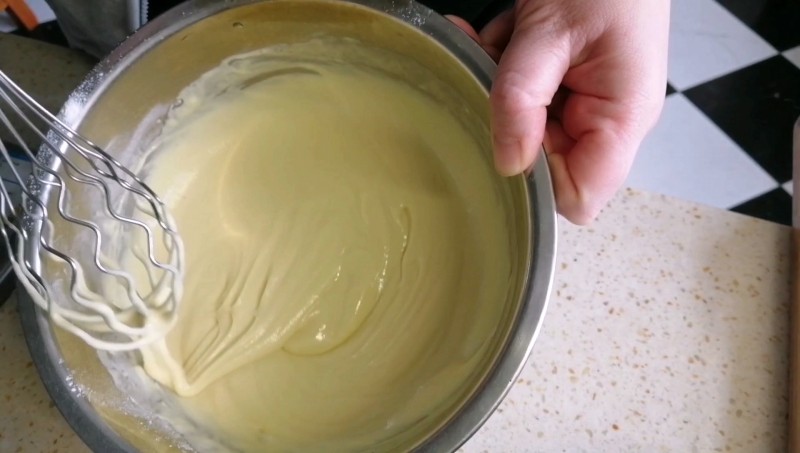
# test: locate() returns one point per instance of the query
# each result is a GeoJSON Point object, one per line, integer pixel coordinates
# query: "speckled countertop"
{"type": "Point", "coordinates": [667, 331]}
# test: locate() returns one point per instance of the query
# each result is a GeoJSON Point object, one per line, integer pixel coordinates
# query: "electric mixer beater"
{"type": "Point", "coordinates": [124, 293]}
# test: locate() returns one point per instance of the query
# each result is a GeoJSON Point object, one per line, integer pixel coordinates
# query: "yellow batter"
{"type": "Point", "coordinates": [347, 254]}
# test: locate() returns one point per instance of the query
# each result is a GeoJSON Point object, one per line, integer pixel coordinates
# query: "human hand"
{"type": "Point", "coordinates": [586, 79]}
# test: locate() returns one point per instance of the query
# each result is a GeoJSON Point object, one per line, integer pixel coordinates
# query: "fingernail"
{"type": "Point", "coordinates": [508, 156]}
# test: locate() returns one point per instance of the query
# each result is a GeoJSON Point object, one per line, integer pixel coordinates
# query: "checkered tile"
{"type": "Point", "coordinates": [793, 55]}
{"type": "Point", "coordinates": [725, 136]}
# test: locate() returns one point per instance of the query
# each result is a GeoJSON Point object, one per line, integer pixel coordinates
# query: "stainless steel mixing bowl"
{"type": "Point", "coordinates": [150, 69]}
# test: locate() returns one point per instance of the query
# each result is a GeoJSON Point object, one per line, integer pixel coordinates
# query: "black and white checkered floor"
{"type": "Point", "coordinates": [725, 136]}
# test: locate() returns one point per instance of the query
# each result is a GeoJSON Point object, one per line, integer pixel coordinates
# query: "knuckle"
{"type": "Point", "coordinates": [513, 94]}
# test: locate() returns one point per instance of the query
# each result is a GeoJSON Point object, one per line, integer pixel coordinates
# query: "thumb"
{"type": "Point", "coordinates": [528, 76]}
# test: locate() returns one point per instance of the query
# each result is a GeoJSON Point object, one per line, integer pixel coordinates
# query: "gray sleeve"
{"type": "Point", "coordinates": [97, 26]}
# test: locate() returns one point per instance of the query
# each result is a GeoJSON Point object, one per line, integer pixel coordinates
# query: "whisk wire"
{"type": "Point", "coordinates": [90, 156]}
{"type": "Point", "coordinates": [88, 150]}
{"type": "Point", "coordinates": [122, 319]}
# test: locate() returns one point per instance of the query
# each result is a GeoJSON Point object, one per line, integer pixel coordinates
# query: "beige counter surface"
{"type": "Point", "coordinates": [29, 421]}
{"type": "Point", "coordinates": [666, 331]}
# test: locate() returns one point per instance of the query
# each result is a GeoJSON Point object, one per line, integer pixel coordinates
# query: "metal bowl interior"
{"type": "Point", "coordinates": [152, 67]}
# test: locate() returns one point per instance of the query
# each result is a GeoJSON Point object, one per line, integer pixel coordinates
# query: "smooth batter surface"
{"type": "Point", "coordinates": [347, 254]}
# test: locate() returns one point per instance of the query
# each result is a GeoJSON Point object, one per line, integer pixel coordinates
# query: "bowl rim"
{"type": "Point", "coordinates": [542, 233]}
